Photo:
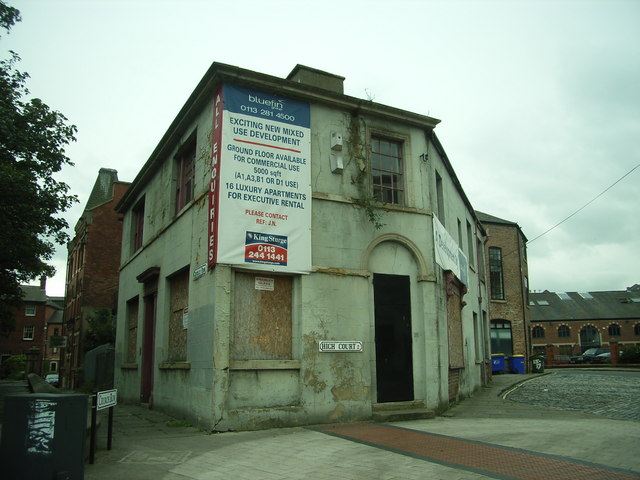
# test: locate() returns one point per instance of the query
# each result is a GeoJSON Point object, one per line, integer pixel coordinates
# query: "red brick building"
{"type": "Point", "coordinates": [30, 334]}
{"type": "Point", "coordinates": [566, 324]}
{"type": "Point", "coordinates": [92, 269]}
{"type": "Point", "coordinates": [508, 274]}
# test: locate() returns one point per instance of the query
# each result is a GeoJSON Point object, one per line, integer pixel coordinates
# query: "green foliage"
{"type": "Point", "coordinates": [32, 149]}
{"type": "Point", "coordinates": [14, 367]}
{"type": "Point", "coordinates": [102, 330]}
{"type": "Point", "coordinates": [630, 354]}
{"type": "Point", "coordinates": [366, 201]}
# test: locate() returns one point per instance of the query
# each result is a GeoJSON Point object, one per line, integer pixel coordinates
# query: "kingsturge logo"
{"type": "Point", "coordinates": [279, 240]}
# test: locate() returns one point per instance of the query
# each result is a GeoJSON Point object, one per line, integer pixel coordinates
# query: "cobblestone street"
{"type": "Point", "coordinates": [612, 394]}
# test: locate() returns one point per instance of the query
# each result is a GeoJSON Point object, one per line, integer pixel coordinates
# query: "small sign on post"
{"type": "Point", "coordinates": [101, 400]}
{"type": "Point", "coordinates": [106, 399]}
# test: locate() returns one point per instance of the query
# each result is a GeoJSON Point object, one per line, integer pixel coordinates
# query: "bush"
{"type": "Point", "coordinates": [630, 354]}
{"type": "Point", "coordinates": [14, 367]}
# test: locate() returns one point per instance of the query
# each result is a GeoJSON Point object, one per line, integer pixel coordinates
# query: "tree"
{"type": "Point", "coordinates": [33, 139]}
{"type": "Point", "coordinates": [102, 329]}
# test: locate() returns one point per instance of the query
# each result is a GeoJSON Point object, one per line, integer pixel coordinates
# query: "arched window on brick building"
{"type": "Point", "coordinates": [589, 337]}
{"type": "Point", "coordinates": [537, 332]}
{"type": "Point", "coordinates": [564, 331]}
{"type": "Point", "coordinates": [636, 329]}
{"type": "Point", "coordinates": [614, 330]}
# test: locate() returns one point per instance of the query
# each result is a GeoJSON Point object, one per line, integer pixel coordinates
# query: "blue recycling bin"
{"type": "Point", "coordinates": [516, 364]}
{"type": "Point", "coordinates": [497, 362]}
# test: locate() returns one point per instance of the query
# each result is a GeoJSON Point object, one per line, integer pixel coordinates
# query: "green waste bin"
{"type": "Point", "coordinates": [43, 436]}
{"type": "Point", "coordinates": [537, 364]}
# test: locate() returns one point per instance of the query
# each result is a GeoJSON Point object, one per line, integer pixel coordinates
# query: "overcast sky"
{"type": "Point", "coordinates": [539, 100]}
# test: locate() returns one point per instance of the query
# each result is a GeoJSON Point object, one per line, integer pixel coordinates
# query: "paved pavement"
{"type": "Point", "coordinates": [545, 443]}
{"type": "Point", "coordinates": [487, 436]}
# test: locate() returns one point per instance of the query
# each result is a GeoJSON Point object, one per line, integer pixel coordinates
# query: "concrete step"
{"type": "Point", "coordinates": [399, 411]}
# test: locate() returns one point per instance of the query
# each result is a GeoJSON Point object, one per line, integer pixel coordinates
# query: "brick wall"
{"type": "Point", "coordinates": [514, 307]}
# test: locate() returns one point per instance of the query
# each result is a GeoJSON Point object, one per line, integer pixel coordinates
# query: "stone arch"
{"type": "Point", "coordinates": [423, 271]}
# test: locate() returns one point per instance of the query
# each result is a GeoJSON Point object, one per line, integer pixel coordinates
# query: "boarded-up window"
{"type": "Point", "coordinates": [132, 329]}
{"type": "Point", "coordinates": [179, 303]}
{"type": "Point", "coordinates": [262, 317]}
{"type": "Point", "coordinates": [454, 320]}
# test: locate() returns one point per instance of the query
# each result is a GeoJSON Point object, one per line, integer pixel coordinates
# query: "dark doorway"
{"type": "Point", "coordinates": [148, 341]}
{"type": "Point", "coordinates": [394, 360]}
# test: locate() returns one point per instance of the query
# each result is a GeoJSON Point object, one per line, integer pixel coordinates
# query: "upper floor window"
{"type": "Point", "coordinates": [30, 310]}
{"type": "Point", "coordinates": [27, 332]}
{"type": "Point", "coordinates": [636, 329]}
{"type": "Point", "coordinates": [564, 331]}
{"type": "Point", "coordinates": [538, 332]}
{"type": "Point", "coordinates": [495, 273]}
{"type": "Point", "coordinates": [387, 171]}
{"type": "Point", "coordinates": [186, 161]}
{"type": "Point", "coordinates": [440, 198]}
{"type": "Point", "coordinates": [614, 330]}
{"type": "Point", "coordinates": [470, 243]}
{"type": "Point", "coordinates": [480, 252]}
{"type": "Point", "coordinates": [137, 228]}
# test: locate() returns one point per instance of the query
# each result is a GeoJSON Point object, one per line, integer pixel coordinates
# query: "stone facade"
{"type": "Point", "coordinates": [374, 319]}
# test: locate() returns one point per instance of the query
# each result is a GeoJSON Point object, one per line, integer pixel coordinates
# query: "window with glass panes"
{"type": "Point", "coordinates": [387, 171]}
{"type": "Point", "coordinates": [564, 331]}
{"type": "Point", "coordinates": [185, 171]}
{"type": "Point", "coordinates": [495, 273]}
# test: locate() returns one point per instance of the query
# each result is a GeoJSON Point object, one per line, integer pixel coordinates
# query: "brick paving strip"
{"type": "Point", "coordinates": [478, 457]}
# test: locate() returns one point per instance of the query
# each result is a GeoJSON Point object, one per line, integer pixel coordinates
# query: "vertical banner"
{"type": "Point", "coordinates": [263, 208]}
{"type": "Point", "coordinates": [214, 182]}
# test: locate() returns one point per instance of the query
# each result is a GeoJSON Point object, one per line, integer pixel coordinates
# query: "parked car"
{"type": "Point", "coordinates": [52, 379]}
{"type": "Point", "coordinates": [588, 355]}
{"type": "Point", "coordinates": [602, 358]}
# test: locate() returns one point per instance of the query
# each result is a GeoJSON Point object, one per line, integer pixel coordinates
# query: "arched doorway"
{"type": "Point", "coordinates": [589, 337]}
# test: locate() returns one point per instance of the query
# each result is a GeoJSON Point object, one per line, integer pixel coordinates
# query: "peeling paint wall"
{"type": "Point", "coordinates": [252, 360]}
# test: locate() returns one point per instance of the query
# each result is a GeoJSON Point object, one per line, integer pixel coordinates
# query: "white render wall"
{"type": "Point", "coordinates": [333, 303]}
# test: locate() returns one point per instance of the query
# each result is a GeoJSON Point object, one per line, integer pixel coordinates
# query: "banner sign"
{"type": "Point", "coordinates": [448, 254]}
{"type": "Point", "coordinates": [260, 192]}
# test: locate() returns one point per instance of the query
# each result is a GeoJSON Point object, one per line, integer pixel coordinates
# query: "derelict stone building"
{"type": "Point", "coordinates": [293, 255]}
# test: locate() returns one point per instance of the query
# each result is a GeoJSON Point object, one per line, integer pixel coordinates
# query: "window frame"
{"type": "Point", "coordinates": [496, 274]}
{"type": "Point", "coordinates": [185, 174]}
{"type": "Point", "coordinates": [503, 343]}
{"type": "Point", "coordinates": [397, 187]}
{"type": "Point", "coordinates": [137, 225]}
{"type": "Point", "coordinates": [614, 330]}
{"type": "Point", "coordinates": [28, 312]}
{"type": "Point", "coordinates": [562, 329]}
{"type": "Point", "coordinates": [537, 328]}
{"type": "Point", "coordinates": [28, 328]}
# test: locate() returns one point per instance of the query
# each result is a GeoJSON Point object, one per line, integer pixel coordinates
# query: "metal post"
{"type": "Point", "coordinates": [110, 429]}
{"type": "Point", "coordinates": [92, 439]}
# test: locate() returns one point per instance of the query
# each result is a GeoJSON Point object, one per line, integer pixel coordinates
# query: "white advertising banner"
{"type": "Point", "coordinates": [448, 254]}
{"type": "Point", "coordinates": [260, 203]}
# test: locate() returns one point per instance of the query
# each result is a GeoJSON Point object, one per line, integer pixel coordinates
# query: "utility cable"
{"type": "Point", "coordinates": [585, 205]}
